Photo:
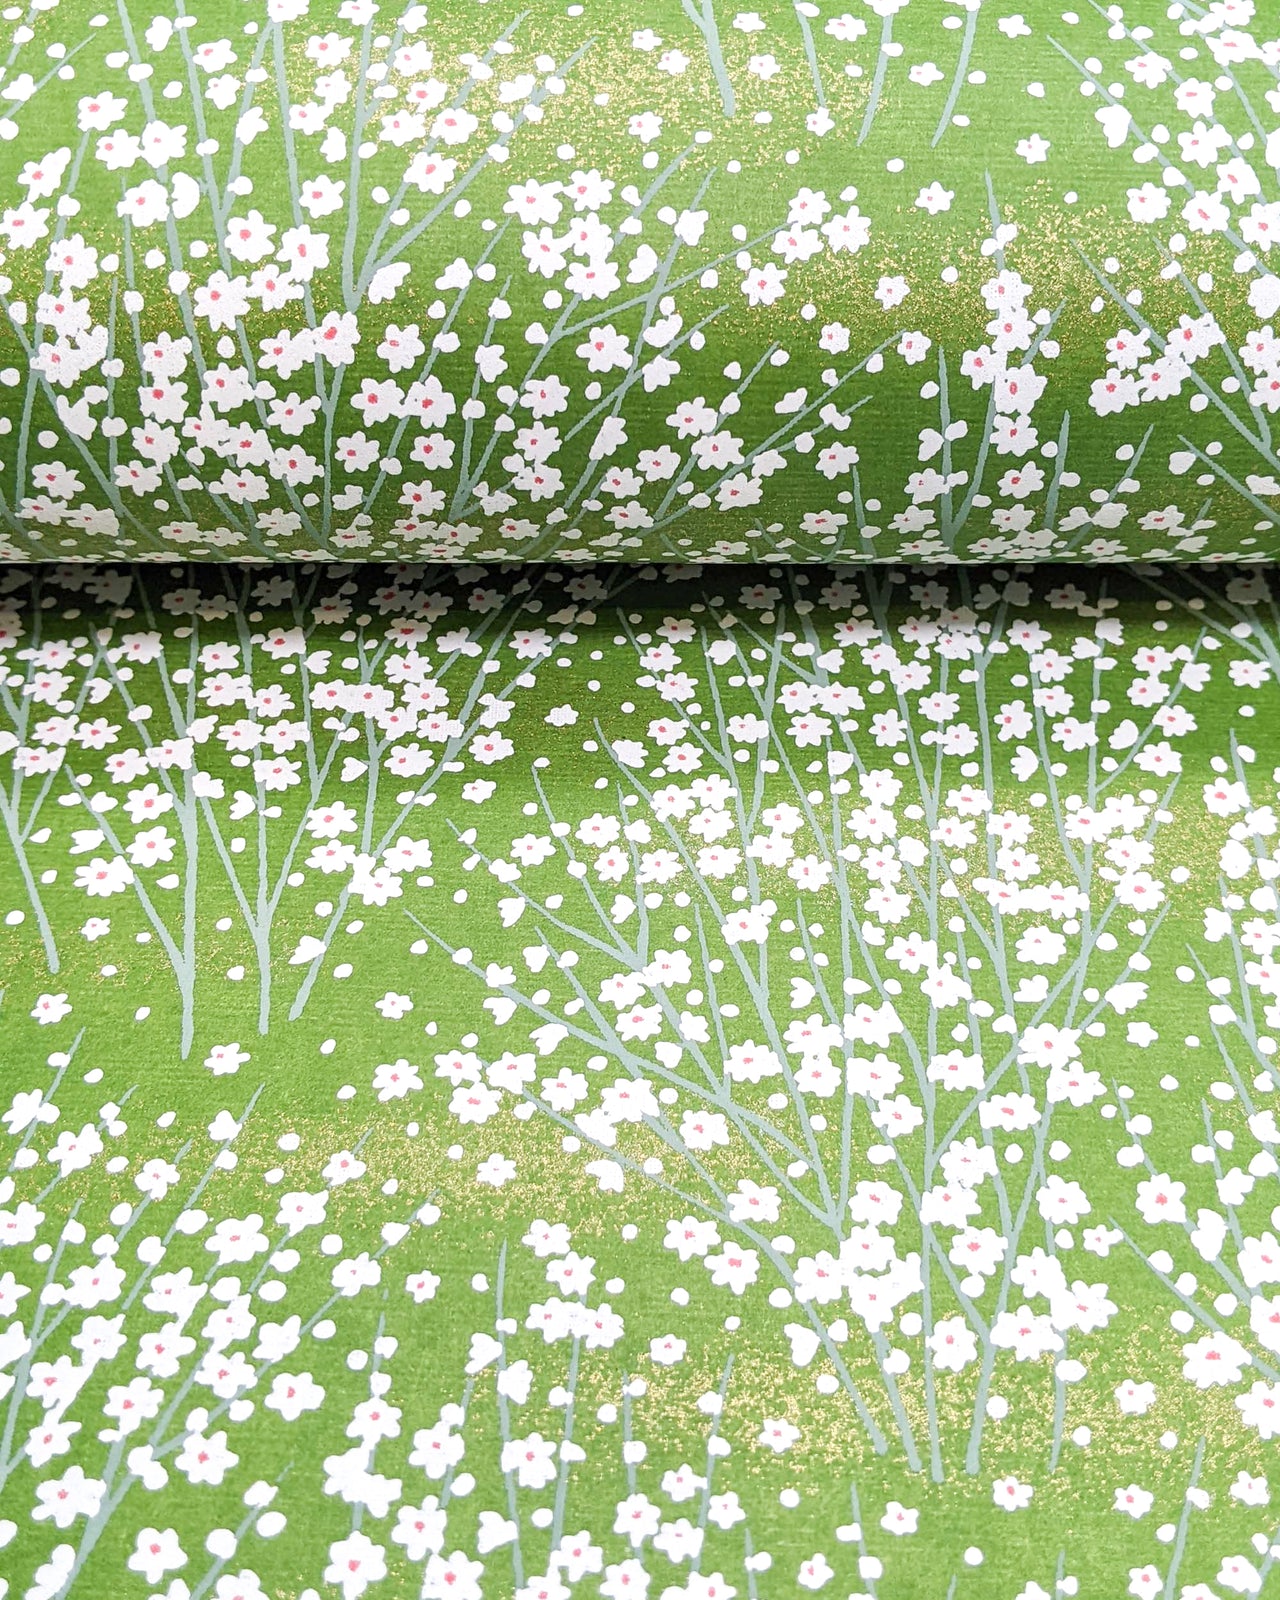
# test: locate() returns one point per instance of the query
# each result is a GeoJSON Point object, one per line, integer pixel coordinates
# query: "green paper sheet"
{"type": "Point", "coordinates": [880, 279]}
{"type": "Point", "coordinates": [627, 1081]}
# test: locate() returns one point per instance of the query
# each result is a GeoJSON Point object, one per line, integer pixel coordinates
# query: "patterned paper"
{"type": "Point", "coordinates": [916, 279]}
{"type": "Point", "coordinates": [626, 1082]}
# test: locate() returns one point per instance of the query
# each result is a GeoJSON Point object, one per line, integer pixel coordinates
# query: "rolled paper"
{"type": "Point", "coordinates": [867, 280]}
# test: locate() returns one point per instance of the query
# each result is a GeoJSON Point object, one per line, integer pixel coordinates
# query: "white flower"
{"type": "Point", "coordinates": [355, 1563]}
{"type": "Point", "coordinates": [764, 285]}
{"type": "Point", "coordinates": [225, 1058]}
{"type": "Point", "coordinates": [1135, 1398]}
{"type": "Point", "coordinates": [891, 291]}
{"type": "Point", "coordinates": [899, 1519]}
{"type": "Point", "coordinates": [777, 1434]}
{"type": "Point", "coordinates": [1239, 1574]}
{"type": "Point", "coordinates": [952, 1344]}
{"type": "Point", "coordinates": [100, 877]}
{"type": "Point", "coordinates": [667, 1351]}
{"type": "Point", "coordinates": [1250, 1491]}
{"type": "Point", "coordinates": [393, 1006]}
{"type": "Point", "coordinates": [749, 924]}
{"type": "Point", "coordinates": [155, 1553]}
{"type": "Point", "coordinates": [1010, 1495]}
{"type": "Point", "coordinates": [1159, 1199]}
{"type": "Point", "coordinates": [51, 1008]}
{"type": "Point", "coordinates": [1134, 1501]}
{"type": "Point", "coordinates": [814, 1572]}
{"type": "Point", "coordinates": [496, 1170]}
{"type": "Point", "coordinates": [935, 198]}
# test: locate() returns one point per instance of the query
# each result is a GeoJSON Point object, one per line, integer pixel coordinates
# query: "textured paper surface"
{"type": "Point", "coordinates": [608, 1082]}
{"type": "Point", "coordinates": [912, 279]}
